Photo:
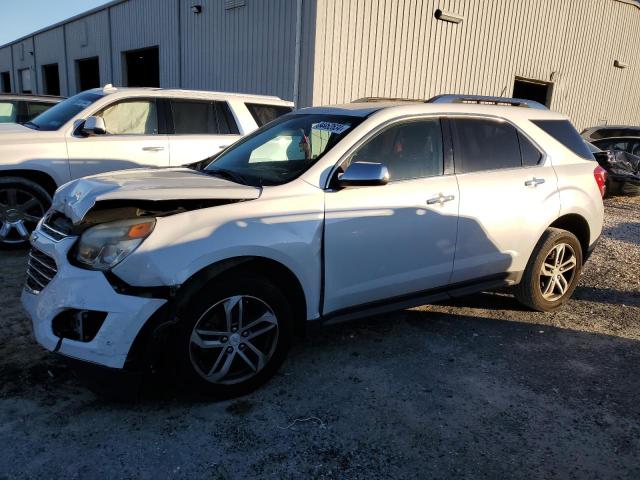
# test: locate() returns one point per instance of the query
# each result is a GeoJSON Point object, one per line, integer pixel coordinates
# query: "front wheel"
{"type": "Point", "coordinates": [22, 204]}
{"type": "Point", "coordinates": [552, 273]}
{"type": "Point", "coordinates": [233, 336]}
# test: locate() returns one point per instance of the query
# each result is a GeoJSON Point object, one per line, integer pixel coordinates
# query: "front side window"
{"type": "Point", "coordinates": [131, 117]}
{"type": "Point", "coordinates": [263, 113]}
{"type": "Point", "coordinates": [8, 112]}
{"type": "Point", "coordinates": [284, 149]}
{"type": "Point", "coordinates": [483, 144]}
{"type": "Point", "coordinates": [408, 150]}
{"type": "Point", "coordinates": [61, 113]}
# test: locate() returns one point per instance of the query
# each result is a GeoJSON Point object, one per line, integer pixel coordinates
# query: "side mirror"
{"type": "Point", "coordinates": [94, 126]}
{"type": "Point", "coordinates": [364, 174]}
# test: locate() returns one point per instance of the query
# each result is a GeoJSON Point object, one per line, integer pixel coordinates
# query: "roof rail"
{"type": "Point", "coordinates": [384, 99]}
{"type": "Point", "coordinates": [487, 100]}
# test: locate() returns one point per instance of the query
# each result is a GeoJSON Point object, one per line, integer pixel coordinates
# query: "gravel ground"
{"type": "Point", "coordinates": [476, 388]}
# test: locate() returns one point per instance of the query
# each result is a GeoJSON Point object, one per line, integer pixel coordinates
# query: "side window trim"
{"type": "Point", "coordinates": [379, 129]}
{"type": "Point", "coordinates": [154, 100]}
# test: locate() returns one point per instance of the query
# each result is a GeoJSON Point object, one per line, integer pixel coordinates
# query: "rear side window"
{"type": "Point", "coordinates": [530, 154]}
{"type": "Point", "coordinates": [484, 145]}
{"type": "Point", "coordinates": [264, 114]}
{"type": "Point", "coordinates": [563, 132]}
{"type": "Point", "coordinates": [192, 117]}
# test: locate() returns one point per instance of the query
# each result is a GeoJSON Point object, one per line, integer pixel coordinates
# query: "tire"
{"type": "Point", "coordinates": [22, 203]}
{"type": "Point", "coordinates": [201, 326]}
{"type": "Point", "coordinates": [536, 290]}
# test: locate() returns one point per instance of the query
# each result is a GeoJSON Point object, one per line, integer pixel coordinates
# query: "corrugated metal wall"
{"type": "Point", "coordinates": [356, 48]}
{"type": "Point", "coordinates": [49, 47]}
{"type": "Point", "coordinates": [23, 58]}
{"type": "Point", "coordinates": [147, 23]}
{"type": "Point", "coordinates": [397, 48]}
{"type": "Point", "coordinates": [246, 49]}
{"type": "Point", "coordinates": [89, 37]}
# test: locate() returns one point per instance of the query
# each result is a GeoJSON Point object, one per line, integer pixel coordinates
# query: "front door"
{"type": "Point", "coordinates": [398, 239]}
{"type": "Point", "coordinates": [132, 141]}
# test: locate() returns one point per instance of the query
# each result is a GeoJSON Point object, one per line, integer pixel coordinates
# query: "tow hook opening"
{"type": "Point", "coordinates": [79, 325]}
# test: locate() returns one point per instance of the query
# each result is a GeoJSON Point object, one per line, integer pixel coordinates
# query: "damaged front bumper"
{"type": "Point", "coordinates": [74, 290]}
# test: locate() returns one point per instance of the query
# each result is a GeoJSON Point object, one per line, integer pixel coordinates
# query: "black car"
{"type": "Point", "coordinates": [18, 108]}
{"type": "Point", "coordinates": [623, 170]}
{"type": "Point", "coordinates": [592, 134]}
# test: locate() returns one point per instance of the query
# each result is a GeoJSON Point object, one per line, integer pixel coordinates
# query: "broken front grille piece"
{"type": "Point", "coordinates": [41, 269]}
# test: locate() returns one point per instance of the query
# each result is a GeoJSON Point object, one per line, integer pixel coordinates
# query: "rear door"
{"type": "Point", "coordinates": [200, 129]}
{"type": "Point", "coordinates": [507, 193]}
{"type": "Point", "coordinates": [133, 140]}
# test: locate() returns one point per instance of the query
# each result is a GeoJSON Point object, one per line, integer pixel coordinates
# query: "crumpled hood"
{"type": "Point", "coordinates": [77, 197]}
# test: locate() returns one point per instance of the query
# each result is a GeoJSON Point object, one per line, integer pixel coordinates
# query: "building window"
{"type": "Point", "coordinates": [5, 79]}
{"type": "Point", "coordinates": [535, 90]}
{"type": "Point", "coordinates": [142, 67]}
{"type": "Point", "coordinates": [88, 73]}
{"type": "Point", "coordinates": [51, 79]}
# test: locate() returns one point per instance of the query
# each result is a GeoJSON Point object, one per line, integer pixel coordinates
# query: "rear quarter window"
{"type": "Point", "coordinates": [563, 132]}
{"type": "Point", "coordinates": [263, 113]}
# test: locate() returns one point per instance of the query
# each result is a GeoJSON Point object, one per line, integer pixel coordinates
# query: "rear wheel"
{"type": "Point", "coordinates": [553, 271]}
{"type": "Point", "coordinates": [233, 336]}
{"type": "Point", "coordinates": [22, 205]}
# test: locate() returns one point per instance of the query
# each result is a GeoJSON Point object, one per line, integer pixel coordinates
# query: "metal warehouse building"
{"type": "Point", "coordinates": [580, 57]}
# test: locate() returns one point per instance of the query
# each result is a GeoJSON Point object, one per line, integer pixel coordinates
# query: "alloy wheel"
{"type": "Point", "coordinates": [557, 272]}
{"type": "Point", "coordinates": [234, 340]}
{"type": "Point", "coordinates": [20, 212]}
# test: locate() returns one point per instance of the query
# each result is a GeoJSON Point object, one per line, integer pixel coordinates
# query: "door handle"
{"type": "Point", "coordinates": [534, 182]}
{"type": "Point", "coordinates": [440, 199]}
{"type": "Point", "coordinates": [153, 149]}
{"type": "Point", "coordinates": [222, 147]}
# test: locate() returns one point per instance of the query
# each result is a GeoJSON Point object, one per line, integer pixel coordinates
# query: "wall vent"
{"type": "Point", "coordinates": [231, 4]}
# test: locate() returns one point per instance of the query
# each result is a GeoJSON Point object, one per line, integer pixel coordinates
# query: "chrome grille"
{"type": "Point", "coordinates": [57, 226]}
{"type": "Point", "coordinates": [41, 269]}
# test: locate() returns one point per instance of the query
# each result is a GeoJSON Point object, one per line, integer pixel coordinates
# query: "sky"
{"type": "Point", "coordinates": [22, 17]}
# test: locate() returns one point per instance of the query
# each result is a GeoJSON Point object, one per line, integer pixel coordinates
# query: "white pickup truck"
{"type": "Point", "coordinates": [107, 129]}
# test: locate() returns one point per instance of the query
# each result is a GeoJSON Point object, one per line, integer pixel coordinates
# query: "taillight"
{"type": "Point", "coordinates": [600, 174]}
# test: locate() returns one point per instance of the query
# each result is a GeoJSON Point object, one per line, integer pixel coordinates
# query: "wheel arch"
{"type": "Point", "coordinates": [43, 179]}
{"type": "Point", "coordinates": [284, 277]}
{"type": "Point", "coordinates": [578, 225]}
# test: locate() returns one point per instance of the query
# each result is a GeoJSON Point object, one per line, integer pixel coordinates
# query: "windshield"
{"type": "Point", "coordinates": [283, 149]}
{"type": "Point", "coordinates": [58, 115]}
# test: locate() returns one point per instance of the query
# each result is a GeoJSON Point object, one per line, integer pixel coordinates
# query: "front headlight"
{"type": "Point", "coordinates": [104, 246]}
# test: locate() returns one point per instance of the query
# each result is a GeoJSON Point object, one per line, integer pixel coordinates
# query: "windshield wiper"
{"type": "Point", "coordinates": [35, 126]}
{"type": "Point", "coordinates": [228, 174]}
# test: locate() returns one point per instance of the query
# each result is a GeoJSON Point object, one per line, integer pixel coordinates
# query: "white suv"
{"type": "Point", "coordinates": [325, 214]}
{"type": "Point", "coordinates": [110, 129]}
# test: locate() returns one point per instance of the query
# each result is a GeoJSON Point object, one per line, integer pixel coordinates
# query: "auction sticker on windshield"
{"type": "Point", "coordinates": [337, 128]}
